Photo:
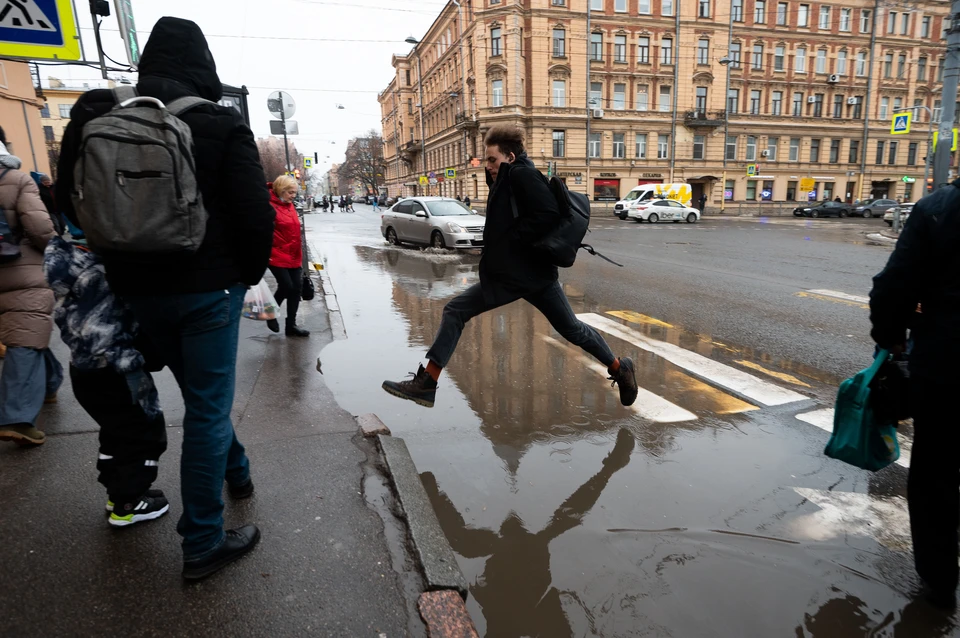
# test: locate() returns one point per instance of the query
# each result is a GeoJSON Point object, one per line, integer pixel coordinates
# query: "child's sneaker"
{"type": "Point", "coordinates": [146, 509]}
{"type": "Point", "coordinates": [153, 493]}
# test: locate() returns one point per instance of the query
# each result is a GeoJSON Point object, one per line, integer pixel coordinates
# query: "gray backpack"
{"type": "Point", "coordinates": [135, 180]}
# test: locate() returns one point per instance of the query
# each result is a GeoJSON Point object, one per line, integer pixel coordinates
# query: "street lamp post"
{"type": "Point", "coordinates": [423, 142]}
{"type": "Point", "coordinates": [725, 61]}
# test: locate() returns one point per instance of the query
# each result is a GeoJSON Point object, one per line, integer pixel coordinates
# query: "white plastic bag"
{"type": "Point", "coordinates": [259, 303]}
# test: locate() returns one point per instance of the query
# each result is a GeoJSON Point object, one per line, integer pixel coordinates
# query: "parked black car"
{"type": "Point", "coordinates": [827, 208]}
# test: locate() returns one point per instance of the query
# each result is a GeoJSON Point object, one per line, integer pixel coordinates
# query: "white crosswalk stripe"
{"type": "Point", "coordinates": [840, 295]}
{"type": "Point", "coordinates": [823, 419]}
{"type": "Point", "coordinates": [724, 376]}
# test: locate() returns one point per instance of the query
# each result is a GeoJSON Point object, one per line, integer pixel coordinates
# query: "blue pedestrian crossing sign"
{"type": "Point", "coordinates": [38, 30]}
{"type": "Point", "coordinates": [901, 123]}
{"type": "Point", "coordinates": [308, 162]}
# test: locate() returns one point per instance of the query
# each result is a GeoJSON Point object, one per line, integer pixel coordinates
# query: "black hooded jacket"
{"type": "Point", "coordinates": [236, 248]}
{"type": "Point", "coordinates": [510, 268]}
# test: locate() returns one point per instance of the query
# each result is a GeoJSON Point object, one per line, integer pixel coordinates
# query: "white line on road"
{"type": "Point", "coordinates": [840, 295]}
{"type": "Point", "coordinates": [737, 381]}
{"type": "Point", "coordinates": [648, 405]}
{"type": "Point", "coordinates": [823, 419]}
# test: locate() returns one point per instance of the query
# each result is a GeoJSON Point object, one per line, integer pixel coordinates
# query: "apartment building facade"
{"type": "Point", "coordinates": [635, 91]}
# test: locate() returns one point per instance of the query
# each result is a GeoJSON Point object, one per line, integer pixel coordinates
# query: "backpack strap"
{"type": "Point", "coordinates": [589, 249]}
{"type": "Point", "coordinates": [183, 104]}
{"type": "Point", "coordinates": [124, 92]}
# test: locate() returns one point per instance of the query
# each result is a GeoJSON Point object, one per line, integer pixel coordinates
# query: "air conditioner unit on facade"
{"type": "Point", "coordinates": [811, 99]}
{"type": "Point", "coordinates": [598, 113]}
{"type": "Point", "coordinates": [764, 153]}
{"type": "Point", "coordinates": [851, 100]}
{"type": "Point", "coordinates": [833, 79]}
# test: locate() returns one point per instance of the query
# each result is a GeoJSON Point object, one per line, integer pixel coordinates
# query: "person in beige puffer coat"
{"type": "Point", "coordinates": [31, 373]}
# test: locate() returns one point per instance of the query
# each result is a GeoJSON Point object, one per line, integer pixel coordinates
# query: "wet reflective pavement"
{"type": "Point", "coordinates": [708, 509]}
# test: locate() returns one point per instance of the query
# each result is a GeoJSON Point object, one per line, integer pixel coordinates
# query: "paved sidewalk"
{"type": "Point", "coordinates": [323, 567]}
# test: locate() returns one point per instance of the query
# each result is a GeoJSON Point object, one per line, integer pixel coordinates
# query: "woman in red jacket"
{"type": "Point", "coordinates": [286, 259]}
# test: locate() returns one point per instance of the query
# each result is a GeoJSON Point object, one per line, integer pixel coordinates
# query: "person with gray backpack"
{"type": "Point", "coordinates": [168, 187]}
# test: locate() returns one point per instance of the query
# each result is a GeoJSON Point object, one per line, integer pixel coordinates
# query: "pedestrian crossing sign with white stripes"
{"type": "Point", "coordinates": [901, 123]}
{"type": "Point", "coordinates": [38, 30]}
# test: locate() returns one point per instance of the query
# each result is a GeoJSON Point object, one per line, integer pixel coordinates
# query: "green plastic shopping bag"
{"type": "Point", "coordinates": [858, 438]}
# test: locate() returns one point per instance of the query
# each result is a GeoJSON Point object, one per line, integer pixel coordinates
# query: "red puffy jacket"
{"type": "Point", "coordinates": [287, 249]}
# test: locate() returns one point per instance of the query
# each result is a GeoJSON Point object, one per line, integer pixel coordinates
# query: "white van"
{"type": "Point", "coordinates": [679, 192]}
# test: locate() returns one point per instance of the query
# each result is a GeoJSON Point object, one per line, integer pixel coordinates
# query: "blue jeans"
{"type": "Point", "coordinates": [28, 376]}
{"type": "Point", "coordinates": [198, 334]}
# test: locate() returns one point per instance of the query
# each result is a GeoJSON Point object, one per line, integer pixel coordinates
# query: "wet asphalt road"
{"type": "Point", "coordinates": [706, 510]}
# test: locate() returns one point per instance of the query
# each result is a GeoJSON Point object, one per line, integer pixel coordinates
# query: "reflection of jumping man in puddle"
{"type": "Point", "coordinates": [516, 590]}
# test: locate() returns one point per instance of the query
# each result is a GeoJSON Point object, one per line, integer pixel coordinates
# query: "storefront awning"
{"type": "Point", "coordinates": [703, 177]}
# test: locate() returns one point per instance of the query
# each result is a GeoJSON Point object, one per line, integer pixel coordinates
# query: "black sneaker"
{"type": "Point", "coordinates": [421, 389]}
{"type": "Point", "coordinates": [626, 378]}
{"type": "Point", "coordinates": [241, 491]}
{"type": "Point", "coordinates": [294, 331]}
{"type": "Point", "coordinates": [151, 492]}
{"type": "Point", "coordinates": [237, 543]}
{"type": "Point", "coordinates": [146, 509]}
{"type": "Point", "coordinates": [274, 325]}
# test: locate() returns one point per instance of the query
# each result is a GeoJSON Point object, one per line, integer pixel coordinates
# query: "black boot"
{"type": "Point", "coordinates": [421, 389]}
{"type": "Point", "coordinates": [237, 543]}
{"type": "Point", "coordinates": [626, 378]}
{"type": "Point", "coordinates": [241, 491]}
{"type": "Point", "coordinates": [274, 325]}
{"type": "Point", "coordinates": [294, 331]}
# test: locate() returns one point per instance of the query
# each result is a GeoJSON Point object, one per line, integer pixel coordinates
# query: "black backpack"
{"type": "Point", "coordinates": [560, 245]}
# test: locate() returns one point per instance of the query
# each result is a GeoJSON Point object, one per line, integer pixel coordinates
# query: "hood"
{"type": "Point", "coordinates": [178, 51]}
{"type": "Point", "coordinates": [522, 160]}
{"type": "Point", "coordinates": [7, 160]}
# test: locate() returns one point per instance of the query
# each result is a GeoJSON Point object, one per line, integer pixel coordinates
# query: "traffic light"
{"type": "Point", "coordinates": [296, 173]}
{"type": "Point", "coordinates": [316, 158]}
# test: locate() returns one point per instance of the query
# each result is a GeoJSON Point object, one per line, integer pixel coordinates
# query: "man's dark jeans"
{"type": "Point", "coordinates": [552, 304]}
{"type": "Point", "coordinates": [198, 334]}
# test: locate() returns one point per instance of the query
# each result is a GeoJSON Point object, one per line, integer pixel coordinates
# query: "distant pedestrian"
{"type": "Point", "coordinates": [343, 204]}
{"type": "Point", "coordinates": [49, 199]}
{"type": "Point", "coordinates": [838, 200]}
{"type": "Point", "coordinates": [459, 199]}
{"type": "Point", "coordinates": [375, 202]}
{"type": "Point", "coordinates": [189, 306]}
{"type": "Point", "coordinates": [286, 259]}
{"type": "Point", "coordinates": [349, 201]}
{"type": "Point", "coordinates": [466, 201]}
{"type": "Point", "coordinates": [703, 202]}
{"type": "Point", "coordinates": [521, 210]}
{"type": "Point", "coordinates": [31, 374]}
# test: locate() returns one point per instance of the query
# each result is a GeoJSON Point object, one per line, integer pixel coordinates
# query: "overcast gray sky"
{"type": "Point", "coordinates": [278, 44]}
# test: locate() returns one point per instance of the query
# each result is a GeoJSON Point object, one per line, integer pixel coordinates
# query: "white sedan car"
{"type": "Point", "coordinates": [662, 210]}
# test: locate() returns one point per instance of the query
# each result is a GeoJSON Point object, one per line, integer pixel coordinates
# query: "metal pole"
{"type": "Point", "coordinates": [96, 34]}
{"type": "Point", "coordinates": [586, 181]}
{"type": "Point", "coordinates": [283, 123]}
{"type": "Point", "coordinates": [423, 138]}
{"type": "Point", "coordinates": [676, 92]}
{"type": "Point", "coordinates": [726, 118]}
{"type": "Point", "coordinates": [396, 134]}
{"type": "Point", "coordinates": [867, 106]}
{"type": "Point", "coordinates": [26, 120]}
{"type": "Point", "coordinates": [951, 71]}
{"type": "Point", "coordinates": [463, 90]}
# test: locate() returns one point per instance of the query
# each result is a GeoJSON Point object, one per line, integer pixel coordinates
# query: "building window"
{"type": "Point", "coordinates": [776, 103]}
{"type": "Point", "coordinates": [641, 146]}
{"type": "Point", "coordinates": [595, 144]}
{"type": "Point", "coordinates": [559, 43]}
{"type": "Point", "coordinates": [846, 18]}
{"type": "Point", "coordinates": [559, 143]}
{"type": "Point", "coordinates": [866, 16]}
{"type": "Point", "coordinates": [498, 92]}
{"type": "Point", "coordinates": [45, 111]}
{"type": "Point", "coordinates": [892, 155]}
{"type": "Point", "coordinates": [48, 135]}
{"type": "Point", "coordinates": [937, 110]}
{"type": "Point", "coordinates": [779, 54]}
{"type": "Point", "coordinates": [495, 48]}
{"type": "Point", "coordinates": [751, 190]}
{"type": "Point", "coordinates": [410, 106]}
{"type": "Point", "coordinates": [757, 61]}
{"type": "Point", "coordinates": [728, 187]}
{"type": "Point", "coordinates": [925, 27]}
{"type": "Point", "coordinates": [665, 103]}
{"type": "Point", "coordinates": [666, 51]}
{"type": "Point", "coordinates": [908, 192]}
{"type": "Point", "coordinates": [733, 101]}
{"type": "Point", "coordinates": [596, 46]}
{"type": "Point", "coordinates": [620, 48]}
{"type": "Point", "coordinates": [751, 148]}
{"type": "Point", "coordinates": [912, 154]}
{"type": "Point", "coordinates": [857, 108]}
{"type": "Point", "coordinates": [699, 141]}
{"type": "Point", "coordinates": [619, 148]}
{"type": "Point", "coordinates": [880, 148]}
{"type": "Point", "coordinates": [897, 104]}
{"type": "Point", "coordinates": [772, 144]}
{"type": "Point", "coordinates": [596, 95]}
{"type": "Point", "coordinates": [663, 146]}
{"type": "Point", "coordinates": [703, 9]}
{"type": "Point", "coordinates": [643, 50]}
{"type": "Point", "coordinates": [815, 151]}
{"type": "Point", "coordinates": [782, 9]}
{"type": "Point", "coordinates": [735, 55]}
{"type": "Point", "coordinates": [559, 94]}
{"type": "Point", "coordinates": [666, 7]}
{"type": "Point", "coordinates": [824, 23]}
{"type": "Point", "coordinates": [408, 77]}
{"type": "Point", "coordinates": [596, 5]}
{"type": "Point", "coordinates": [794, 149]}
{"type": "Point", "coordinates": [65, 110]}
{"type": "Point", "coordinates": [905, 24]}
{"type": "Point", "coordinates": [558, 3]}
{"type": "Point", "coordinates": [828, 190]}
{"type": "Point", "coordinates": [854, 156]}
{"type": "Point", "coordinates": [922, 70]}
{"type": "Point", "coordinates": [619, 97]}
{"type": "Point", "coordinates": [620, 6]}
{"type": "Point", "coordinates": [884, 108]}
{"type": "Point", "coordinates": [818, 105]}
{"type": "Point", "coordinates": [737, 10]}
{"type": "Point", "coordinates": [892, 22]}
{"type": "Point", "coordinates": [643, 6]}
{"type": "Point", "coordinates": [861, 64]}
{"type": "Point", "coordinates": [838, 106]}
{"type": "Point", "coordinates": [800, 65]}
{"type": "Point", "coordinates": [759, 11]}
{"type": "Point", "coordinates": [803, 16]}
{"type": "Point", "coordinates": [821, 61]}
{"type": "Point", "coordinates": [797, 109]}
{"type": "Point", "coordinates": [703, 51]}
{"type": "Point", "coordinates": [755, 102]}
{"type": "Point", "coordinates": [643, 97]}
{"type": "Point", "coordinates": [791, 191]}
{"type": "Point", "coordinates": [731, 148]}
{"type": "Point", "coordinates": [841, 62]}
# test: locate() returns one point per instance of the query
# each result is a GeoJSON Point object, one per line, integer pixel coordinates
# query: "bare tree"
{"type": "Point", "coordinates": [274, 160]}
{"type": "Point", "coordinates": [364, 164]}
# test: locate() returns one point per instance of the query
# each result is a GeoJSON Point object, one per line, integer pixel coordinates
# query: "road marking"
{"type": "Point", "coordinates": [636, 317]}
{"type": "Point", "coordinates": [648, 405]}
{"type": "Point", "coordinates": [731, 379]}
{"type": "Point", "coordinates": [813, 295]}
{"type": "Point", "coordinates": [696, 392]}
{"type": "Point", "coordinates": [783, 376]}
{"type": "Point", "coordinates": [823, 419]}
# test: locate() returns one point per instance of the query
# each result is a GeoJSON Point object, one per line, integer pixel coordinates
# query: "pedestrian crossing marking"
{"type": "Point", "coordinates": [783, 376]}
{"type": "Point", "coordinates": [740, 383]}
{"type": "Point", "coordinates": [724, 403]}
{"type": "Point", "coordinates": [823, 419]}
{"type": "Point", "coordinates": [636, 317]}
{"type": "Point", "coordinates": [841, 295]}
{"type": "Point", "coordinates": [848, 302]}
{"type": "Point", "coordinates": [648, 405]}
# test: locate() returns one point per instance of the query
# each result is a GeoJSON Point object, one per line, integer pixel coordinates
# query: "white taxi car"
{"type": "Point", "coordinates": [663, 210]}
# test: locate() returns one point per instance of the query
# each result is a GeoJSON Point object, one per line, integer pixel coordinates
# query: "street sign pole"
{"type": "Point", "coordinates": [941, 156]}
{"type": "Point", "coordinates": [286, 149]}
{"type": "Point", "coordinates": [96, 34]}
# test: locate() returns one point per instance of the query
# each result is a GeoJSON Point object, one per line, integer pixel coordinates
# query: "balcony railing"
{"type": "Point", "coordinates": [410, 146]}
{"type": "Point", "coordinates": [704, 118]}
{"type": "Point", "coordinates": [466, 121]}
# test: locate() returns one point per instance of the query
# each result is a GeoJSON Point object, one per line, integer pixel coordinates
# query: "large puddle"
{"type": "Point", "coordinates": [574, 516]}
